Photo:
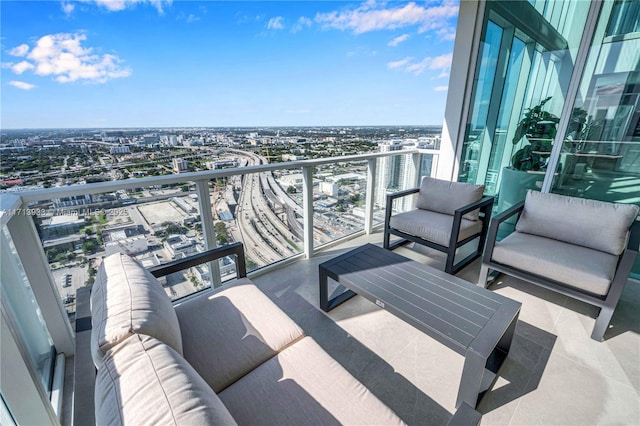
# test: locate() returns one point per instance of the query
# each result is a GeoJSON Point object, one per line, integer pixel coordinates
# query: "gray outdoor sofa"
{"type": "Point", "coordinates": [223, 357]}
{"type": "Point", "coordinates": [581, 248]}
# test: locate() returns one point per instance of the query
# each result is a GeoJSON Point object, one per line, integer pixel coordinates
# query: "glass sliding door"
{"type": "Point", "coordinates": [526, 62]}
{"type": "Point", "coordinates": [601, 148]}
{"type": "Point", "coordinates": [600, 153]}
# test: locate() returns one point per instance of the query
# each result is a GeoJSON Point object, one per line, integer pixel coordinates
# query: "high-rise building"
{"type": "Point", "coordinates": [398, 172]}
{"type": "Point", "coordinates": [179, 165]}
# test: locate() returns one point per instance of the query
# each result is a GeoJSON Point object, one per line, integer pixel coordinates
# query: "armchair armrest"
{"type": "Point", "coordinates": [634, 237]}
{"type": "Point", "coordinates": [389, 204]}
{"type": "Point", "coordinates": [493, 229]}
{"type": "Point", "coordinates": [403, 193]}
{"type": "Point", "coordinates": [482, 203]}
{"type": "Point", "coordinates": [236, 249]}
{"type": "Point", "coordinates": [501, 217]}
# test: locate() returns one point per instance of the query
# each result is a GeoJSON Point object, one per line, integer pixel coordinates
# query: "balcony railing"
{"type": "Point", "coordinates": [24, 243]}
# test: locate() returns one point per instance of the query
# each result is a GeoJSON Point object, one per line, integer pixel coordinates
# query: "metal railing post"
{"type": "Point", "coordinates": [415, 161]}
{"type": "Point", "coordinates": [307, 207]}
{"type": "Point", "coordinates": [208, 231]}
{"type": "Point", "coordinates": [371, 189]}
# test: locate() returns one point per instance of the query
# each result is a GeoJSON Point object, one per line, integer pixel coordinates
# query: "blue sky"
{"type": "Point", "coordinates": [159, 63]}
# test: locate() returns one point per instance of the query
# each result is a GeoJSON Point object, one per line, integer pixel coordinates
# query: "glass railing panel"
{"type": "Point", "coordinates": [154, 225]}
{"type": "Point", "coordinates": [267, 219]}
{"type": "Point", "coordinates": [394, 173]}
{"type": "Point", "coordinates": [339, 200]}
{"type": "Point", "coordinates": [18, 298]}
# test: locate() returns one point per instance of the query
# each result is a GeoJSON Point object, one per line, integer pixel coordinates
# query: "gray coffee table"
{"type": "Point", "coordinates": [471, 320]}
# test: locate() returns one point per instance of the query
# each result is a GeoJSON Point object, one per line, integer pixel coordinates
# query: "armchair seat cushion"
{"type": "Point", "coordinates": [580, 267]}
{"type": "Point", "coordinates": [433, 226]}
{"type": "Point", "coordinates": [227, 333]}
{"type": "Point", "coordinates": [303, 385]}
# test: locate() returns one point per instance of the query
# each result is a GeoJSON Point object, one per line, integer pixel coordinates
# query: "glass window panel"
{"type": "Point", "coordinates": [17, 296]}
{"type": "Point", "coordinates": [600, 156]}
{"type": "Point", "coordinates": [517, 104]}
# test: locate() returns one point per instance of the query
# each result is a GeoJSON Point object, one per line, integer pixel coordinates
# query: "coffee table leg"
{"type": "Point", "coordinates": [324, 289]}
{"type": "Point", "coordinates": [481, 369]}
{"type": "Point", "coordinates": [327, 304]}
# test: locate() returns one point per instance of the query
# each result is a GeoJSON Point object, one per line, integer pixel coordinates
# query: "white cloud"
{"type": "Point", "coordinates": [303, 21]}
{"type": "Point", "coordinates": [419, 67]}
{"type": "Point", "coordinates": [63, 57]}
{"type": "Point", "coordinates": [190, 18]}
{"type": "Point", "coordinates": [399, 64]}
{"type": "Point", "coordinates": [396, 41]}
{"type": "Point", "coordinates": [22, 85]}
{"type": "Point", "coordinates": [441, 88]}
{"type": "Point", "coordinates": [118, 5]}
{"type": "Point", "coordinates": [440, 63]}
{"type": "Point", "coordinates": [276, 23]}
{"type": "Point", "coordinates": [21, 67]}
{"type": "Point", "coordinates": [371, 17]}
{"type": "Point", "coordinates": [19, 50]}
{"type": "Point", "coordinates": [447, 33]}
{"type": "Point", "coordinates": [68, 7]}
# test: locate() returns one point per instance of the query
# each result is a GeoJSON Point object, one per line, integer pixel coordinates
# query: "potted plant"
{"type": "Point", "coordinates": [539, 127]}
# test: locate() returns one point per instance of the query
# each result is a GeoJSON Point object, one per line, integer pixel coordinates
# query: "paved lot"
{"type": "Point", "coordinates": [156, 213]}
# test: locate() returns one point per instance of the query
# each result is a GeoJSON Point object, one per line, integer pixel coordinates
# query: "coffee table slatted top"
{"type": "Point", "coordinates": [453, 310]}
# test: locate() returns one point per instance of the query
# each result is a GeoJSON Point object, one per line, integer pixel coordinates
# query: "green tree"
{"type": "Point", "coordinates": [291, 189]}
{"type": "Point", "coordinates": [221, 232]}
{"type": "Point", "coordinates": [90, 247]}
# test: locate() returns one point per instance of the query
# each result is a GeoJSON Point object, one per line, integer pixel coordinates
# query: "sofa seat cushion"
{"type": "Point", "coordinates": [589, 223]}
{"type": "Point", "coordinates": [303, 385]}
{"type": "Point", "coordinates": [583, 268]}
{"type": "Point", "coordinates": [127, 299]}
{"type": "Point", "coordinates": [229, 332]}
{"type": "Point", "coordinates": [446, 197]}
{"type": "Point", "coordinates": [142, 381]}
{"type": "Point", "coordinates": [433, 226]}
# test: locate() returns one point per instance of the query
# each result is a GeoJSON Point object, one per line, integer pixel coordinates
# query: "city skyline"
{"type": "Point", "coordinates": [111, 63]}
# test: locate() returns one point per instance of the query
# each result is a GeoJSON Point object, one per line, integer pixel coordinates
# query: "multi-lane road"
{"type": "Point", "coordinates": [267, 218]}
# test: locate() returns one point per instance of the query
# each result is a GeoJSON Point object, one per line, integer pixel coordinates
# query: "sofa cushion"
{"type": "Point", "coordinates": [142, 381]}
{"type": "Point", "coordinates": [433, 226]}
{"type": "Point", "coordinates": [227, 333]}
{"type": "Point", "coordinates": [127, 299]}
{"type": "Point", "coordinates": [580, 267]}
{"type": "Point", "coordinates": [595, 224]}
{"type": "Point", "coordinates": [446, 197]}
{"type": "Point", "coordinates": [303, 385]}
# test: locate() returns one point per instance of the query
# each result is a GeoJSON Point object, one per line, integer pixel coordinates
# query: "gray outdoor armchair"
{"type": "Point", "coordinates": [447, 216]}
{"type": "Point", "coordinates": [581, 248]}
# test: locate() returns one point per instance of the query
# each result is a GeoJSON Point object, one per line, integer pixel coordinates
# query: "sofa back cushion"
{"type": "Point", "coordinates": [127, 299]}
{"type": "Point", "coordinates": [589, 223]}
{"type": "Point", "coordinates": [142, 381]}
{"type": "Point", "coordinates": [446, 197]}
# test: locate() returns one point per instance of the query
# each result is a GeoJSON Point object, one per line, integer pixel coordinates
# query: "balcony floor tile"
{"type": "Point", "coordinates": [555, 373]}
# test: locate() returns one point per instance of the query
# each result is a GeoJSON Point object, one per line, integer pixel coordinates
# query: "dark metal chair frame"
{"type": "Point", "coordinates": [607, 303]}
{"type": "Point", "coordinates": [485, 205]}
